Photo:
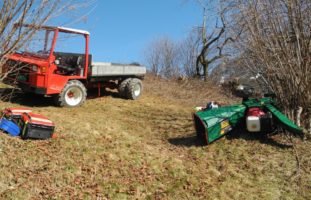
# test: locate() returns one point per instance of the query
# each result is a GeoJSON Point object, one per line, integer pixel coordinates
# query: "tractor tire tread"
{"type": "Point", "coordinates": [60, 99]}
{"type": "Point", "coordinates": [122, 87]}
{"type": "Point", "coordinates": [130, 93]}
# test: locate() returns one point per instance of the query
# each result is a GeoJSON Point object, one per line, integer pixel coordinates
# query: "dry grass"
{"type": "Point", "coordinates": [112, 148]}
{"type": "Point", "coordinates": [188, 92]}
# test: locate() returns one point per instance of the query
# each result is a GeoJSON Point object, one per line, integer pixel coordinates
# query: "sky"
{"type": "Point", "coordinates": [120, 30]}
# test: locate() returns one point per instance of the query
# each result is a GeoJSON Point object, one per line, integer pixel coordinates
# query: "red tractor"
{"type": "Point", "coordinates": [42, 69]}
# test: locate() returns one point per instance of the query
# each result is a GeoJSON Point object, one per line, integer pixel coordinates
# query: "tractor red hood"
{"type": "Point", "coordinates": [29, 58]}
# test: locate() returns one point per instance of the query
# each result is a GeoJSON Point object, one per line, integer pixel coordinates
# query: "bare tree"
{"type": "Point", "coordinates": [19, 12]}
{"type": "Point", "coordinates": [189, 50]}
{"type": "Point", "coordinates": [214, 39]}
{"type": "Point", "coordinates": [153, 54]}
{"type": "Point", "coordinates": [163, 57]}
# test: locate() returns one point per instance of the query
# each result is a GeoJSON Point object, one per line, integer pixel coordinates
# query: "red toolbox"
{"type": "Point", "coordinates": [14, 113]}
{"type": "Point", "coordinates": [36, 126]}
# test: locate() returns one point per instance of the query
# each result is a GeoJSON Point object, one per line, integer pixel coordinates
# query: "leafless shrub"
{"type": "Point", "coordinates": [277, 44]}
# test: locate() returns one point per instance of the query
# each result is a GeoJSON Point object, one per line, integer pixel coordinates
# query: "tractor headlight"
{"type": "Point", "coordinates": [34, 68]}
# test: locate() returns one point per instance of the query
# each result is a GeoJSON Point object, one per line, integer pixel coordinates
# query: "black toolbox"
{"type": "Point", "coordinates": [36, 126]}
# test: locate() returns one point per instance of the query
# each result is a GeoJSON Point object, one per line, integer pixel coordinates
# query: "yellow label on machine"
{"type": "Point", "coordinates": [225, 127]}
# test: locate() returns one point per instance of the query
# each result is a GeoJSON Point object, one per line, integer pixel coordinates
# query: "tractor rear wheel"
{"type": "Point", "coordinates": [73, 94]}
{"type": "Point", "coordinates": [133, 88]}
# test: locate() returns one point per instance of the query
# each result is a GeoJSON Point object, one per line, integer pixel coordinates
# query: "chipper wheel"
{"type": "Point", "coordinates": [122, 87]}
{"type": "Point", "coordinates": [73, 94]}
{"type": "Point", "coordinates": [133, 88]}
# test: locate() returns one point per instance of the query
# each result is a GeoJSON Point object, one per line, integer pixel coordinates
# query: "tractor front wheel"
{"type": "Point", "coordinates": [73, 94]}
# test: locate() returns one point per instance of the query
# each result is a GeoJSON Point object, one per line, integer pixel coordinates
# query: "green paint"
{"type": "Point", "coordinates": [218, 122]}
{"type": "Point", "coordinates": [283, 120]}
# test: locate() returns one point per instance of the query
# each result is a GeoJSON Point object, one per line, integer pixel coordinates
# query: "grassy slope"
{"type": "Point", "coordinates": [119, 149]}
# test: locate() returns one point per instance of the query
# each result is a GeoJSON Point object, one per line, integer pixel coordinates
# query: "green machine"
{"type": "Point", "coordinates": [258, 115]}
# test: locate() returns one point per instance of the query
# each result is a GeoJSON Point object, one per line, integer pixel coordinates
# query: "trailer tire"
{"type": "Point", "coordinates": [73, 94]}
{"type": "Point", "coordinates": [133, 89]}
{"type": "Point", "coordinates": [122, 87]}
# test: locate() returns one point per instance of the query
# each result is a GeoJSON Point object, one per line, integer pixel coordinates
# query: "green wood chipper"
{"type": "Point", "coordinates": [257, 115]}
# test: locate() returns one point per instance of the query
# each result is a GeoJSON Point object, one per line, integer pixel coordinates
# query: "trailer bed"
{"type": "Point", "coordinates": [100, 69]}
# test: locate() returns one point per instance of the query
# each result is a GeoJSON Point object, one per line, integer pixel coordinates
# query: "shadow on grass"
{"type": "Point", "coordinates": [34, 100]}
{"type": "Point", "coordinates": [93, 93]}
{"type": "Point", "coordinates": [16, 96]}
{"type": "Point", "coordinates": [188, 141]}
{"type": "Point", "coordinates": [240, 133]}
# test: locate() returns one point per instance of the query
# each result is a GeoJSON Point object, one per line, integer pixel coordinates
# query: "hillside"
{"type": "Point", "coordinates": [111, 148]}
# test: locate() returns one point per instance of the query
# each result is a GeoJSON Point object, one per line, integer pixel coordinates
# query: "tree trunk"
{"type": "Point", "coordinates": [205, 69]}
{"type": "Point", "coordinates": [298, 115]}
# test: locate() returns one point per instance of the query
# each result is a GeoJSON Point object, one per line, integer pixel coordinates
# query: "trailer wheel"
{"type": "Point", "coordinates": [73, 94]}
{"type": "Point", "coordinates": [133, 88]}
{"type": "Point", "coordinates": [122, 87]}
